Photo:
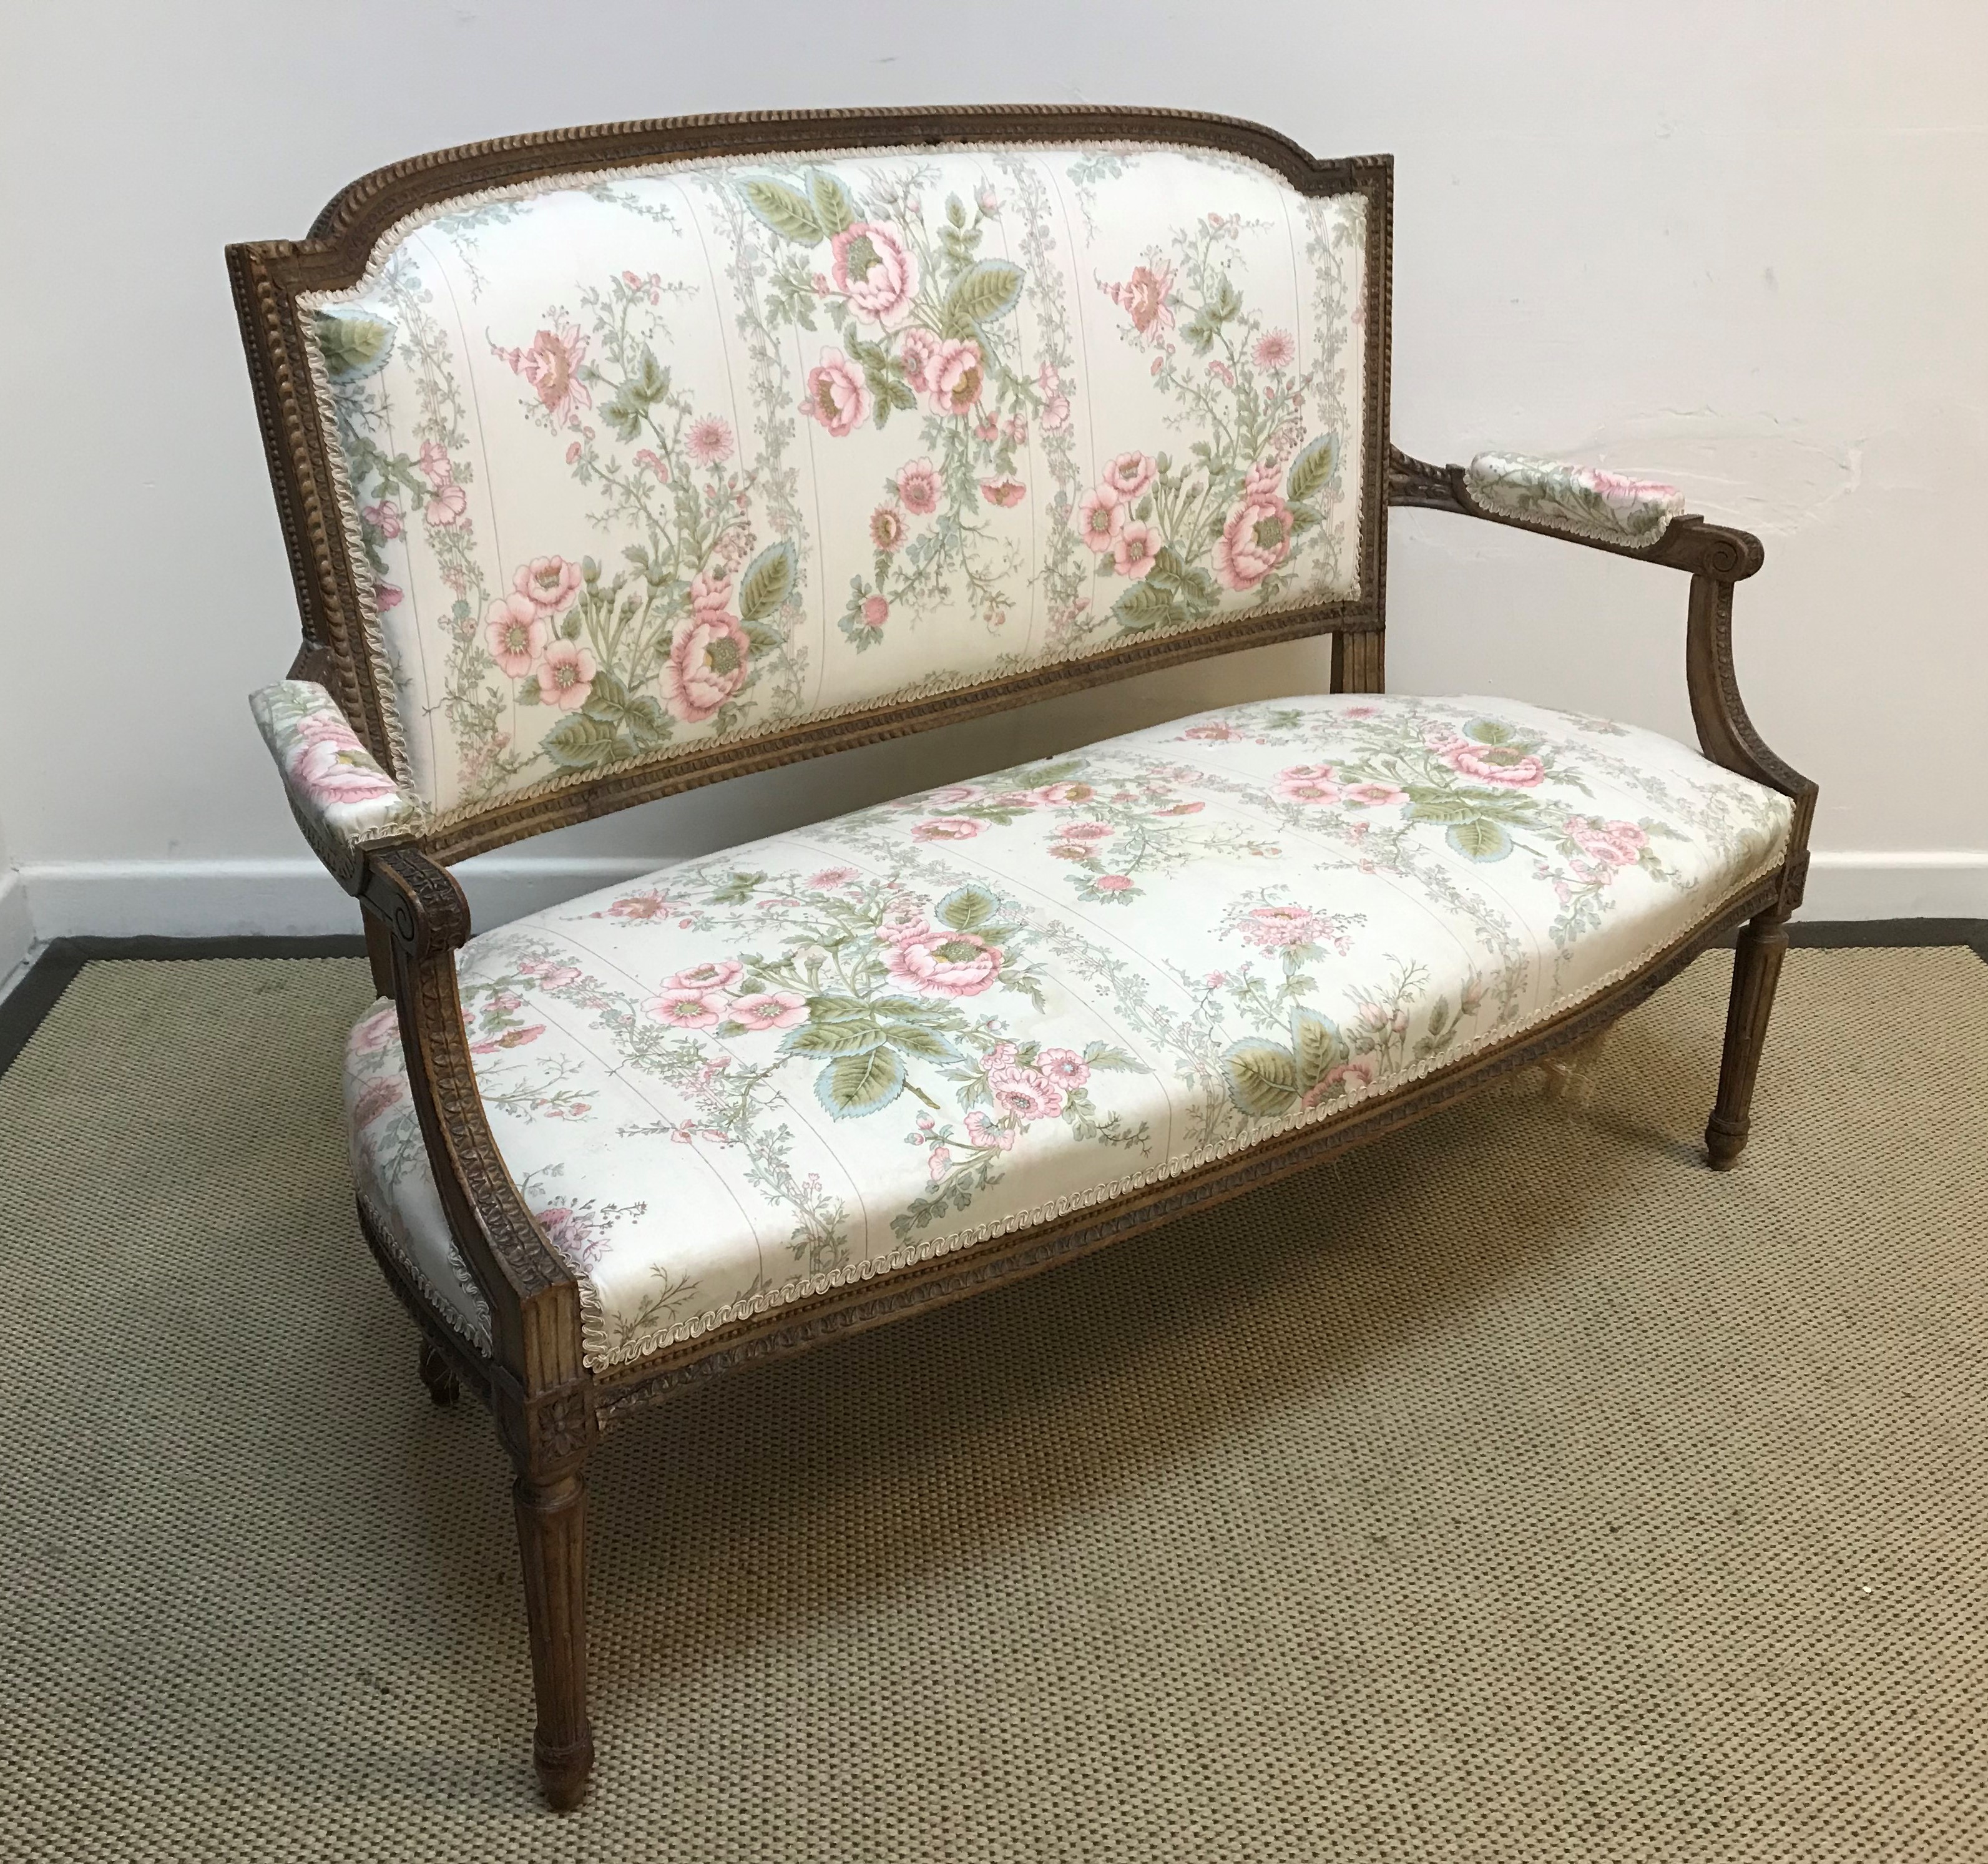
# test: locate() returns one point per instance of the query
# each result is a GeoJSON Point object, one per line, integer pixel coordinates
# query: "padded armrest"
{"type": "Point", "coordinates": [1583, 501]}
{"type": "Point", "coordinates": [343, 800]}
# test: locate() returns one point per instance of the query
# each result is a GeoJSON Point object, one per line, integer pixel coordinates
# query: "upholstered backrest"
{"type": "Point", "coordinates": [636, 468]}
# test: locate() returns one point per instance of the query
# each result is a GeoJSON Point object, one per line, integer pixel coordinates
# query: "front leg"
{"type": "Point", "coordinates": [1756, 969]}
{"type": "Point", "coordinates": [552, 1537]}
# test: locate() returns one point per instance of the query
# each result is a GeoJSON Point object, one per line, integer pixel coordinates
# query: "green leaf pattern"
{"type": "Point", "coordinates": [858, 1044]}
{"type": "Point", "coordinates": [787, 435]}
{"type": "Point", "coordinates": [1238, 516]}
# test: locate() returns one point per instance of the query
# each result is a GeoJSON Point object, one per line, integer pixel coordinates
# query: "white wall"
{"type": "Point", "coordinates": [17, 930]}
{"type": "Point", "coordinates": [1742, 246]}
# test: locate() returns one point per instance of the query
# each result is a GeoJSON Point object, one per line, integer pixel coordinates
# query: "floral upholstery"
{"type": "Point", "coordinates": [837, 1052]}
{"type": "Point", "coordinates": [342, 799]}
{"type": "Point", "coordinates": [707, 449]}
{"type": "Point", "coordinates": [1583, 501]}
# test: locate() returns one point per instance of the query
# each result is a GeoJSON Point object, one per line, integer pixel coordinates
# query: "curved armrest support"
{"type": "Point", "coordinates": [343, 802]}
{"type": "Point", "coordinates": [1621, 517]}
{"type": "Point", "coordinates": [533, 1297]}
{"type": "Point", "coordinates": [362, 822]}
{"type": "Point", "coordinates": [1726, 735]}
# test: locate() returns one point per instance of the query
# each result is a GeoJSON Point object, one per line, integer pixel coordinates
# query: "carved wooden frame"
{"type": "Point", "coordinates": [549, 1406]}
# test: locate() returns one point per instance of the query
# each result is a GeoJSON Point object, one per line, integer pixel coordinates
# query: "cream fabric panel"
{"type": "Point", "coordinates": [704, 451]}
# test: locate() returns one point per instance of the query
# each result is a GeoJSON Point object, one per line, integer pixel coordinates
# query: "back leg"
{"type": "Point", "coordinates": [437, 1374]}
{"type": "Point", "coordinates": [1756, 969]}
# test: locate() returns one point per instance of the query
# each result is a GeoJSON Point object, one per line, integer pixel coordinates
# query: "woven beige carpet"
{"type": "Point", "coordinates": [1516, 1489]}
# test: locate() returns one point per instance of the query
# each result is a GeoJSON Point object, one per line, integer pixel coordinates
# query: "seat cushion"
{"type": "Point", "coordinates": [839, 1052]}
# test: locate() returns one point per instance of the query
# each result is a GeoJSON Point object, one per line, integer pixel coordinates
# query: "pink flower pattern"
{"type": "Point", "coordinates": [1274, 350]}
{"type": "Point", "coordinates": [1134, 551]}
{"type": "Point", "coordinates": [548, 583]}
{"type": "Point", "coordinates": [682, 1007]}
{"type": "Point", "coordinates": [946, 828]}
{"type": "Point", "coordinates": [551, 363]}
{"type": "Point", "coordinates": [1100, 516]}
{"type": "Point", "coordinates": [872, 269]}
{"type": "Point", "coordinates": [714, 974]}
{"type": "Point", "coordinates": [1055, 403]}
{"type": "Point", "coordinates": [769, 1009]}
{"type": "Point", "coordinates": [376, 1097]}
{"type": "Point", "coordinates": [449, 506]}
{"type": "Point", "coordinates": [434, 465]}
{"type": "Point", "coordinates": [946, 963]}
{"type": "Point", "coordinates": [1310, 783]}
{"type": "Point", "coordinates": [1143, 298]}
{"type": "Point", "coordinates": [709, 441]}
{"type": "Point", "coordinates": [915, 350]}
{"type": "Point", "coordinates": [710, 656]}
{"type": "Point", "coordinates": [953, 376]}
{"type": "Point", "coordinates": [565, 674]}
{"type": "Point", "coordinates": [1077, 1015]}
{"type": "Point", "coordinates": [1613, 844]}
{"type": "Point", "coordinates": [991, 397]}
{"type": "Point", "coordinates": [332, 772]}
{"type": "Point", "coordinates": [1130, 474]}
{"type": "Point", "coordinates": [515, 632]}
{"type": "Point", "coordinates": [1494, 763]}
{"type": "Point", "coordinates": [917, 487]}
{"type": "Point", "coordinates": [1026, 1093]}
{"type": "Point", "coordinates": [1257, 537]}
{"type": "Point", "coordinates": [836, 394]}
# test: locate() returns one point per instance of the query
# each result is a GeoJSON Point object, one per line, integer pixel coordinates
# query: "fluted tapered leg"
{"type": "Point", "coordinates": [1756, 969]}
{"type": "Point", "coordinates": [552, 1537]}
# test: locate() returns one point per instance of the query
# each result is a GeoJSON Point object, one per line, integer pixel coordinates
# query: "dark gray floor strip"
{"type": "Point", "coordinates": [23, 1008]}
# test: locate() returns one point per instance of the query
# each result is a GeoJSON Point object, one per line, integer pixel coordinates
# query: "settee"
{"type": "Point", "coordinates": [616, 460]}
